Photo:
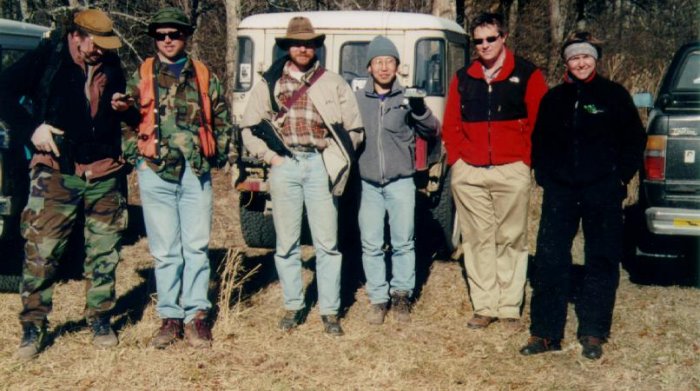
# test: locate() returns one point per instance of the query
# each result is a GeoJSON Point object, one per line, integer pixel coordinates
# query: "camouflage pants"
{"type": "Point", "coordinates": [47, 221]}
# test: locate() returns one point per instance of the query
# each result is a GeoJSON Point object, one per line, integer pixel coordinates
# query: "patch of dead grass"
{"type": "Point", "coordinates": [654, 344]}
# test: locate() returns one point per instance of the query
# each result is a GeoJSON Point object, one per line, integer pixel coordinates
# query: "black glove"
{"type": "Point", "coordinates": [417, 106]}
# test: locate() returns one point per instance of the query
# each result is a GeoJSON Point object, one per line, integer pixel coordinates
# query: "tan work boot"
{"type": "Point", "coordinates": [401, 306]}
{"type": "Point", "coordinates": [198, 332]}
{"type": "Point", "coordinates": [377, 312]}
{"type": "Point", "coordinates": [480, 321]}
{"type": "Point", "coordinates": [291, 320]}
{"type": "Point", "coordinates": [331, 325]}
{"type": "Point", "coordinates": [169, 332]}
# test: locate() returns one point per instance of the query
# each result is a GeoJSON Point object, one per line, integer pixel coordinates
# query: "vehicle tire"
{"type": "Point", "coordinates": [257, 227]}
{"type": "Point", "coordinates": [444, 214]}
{"type": "Point", "coordinates": [9, 283]}
{"type": "Point", "coordinates": [652, 259]}
{"type": "Point", "coordinates": [435, 222]}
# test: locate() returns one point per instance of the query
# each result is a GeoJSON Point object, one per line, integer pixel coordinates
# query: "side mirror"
{"type": "Point", "coordinates": [643, 100]}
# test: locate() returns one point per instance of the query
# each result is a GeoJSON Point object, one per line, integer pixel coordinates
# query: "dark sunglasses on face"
{"type": "Point", "coordinates": [173, 35]}
{"type": "Point", "coordinates": [491, 39]}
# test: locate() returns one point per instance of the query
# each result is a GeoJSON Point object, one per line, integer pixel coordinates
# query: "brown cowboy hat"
{"type": "Point", "coordinates": [300, 30]}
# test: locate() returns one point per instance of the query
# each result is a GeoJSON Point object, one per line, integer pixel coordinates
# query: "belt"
{"type": "Point", "coordinates": [303, 148]}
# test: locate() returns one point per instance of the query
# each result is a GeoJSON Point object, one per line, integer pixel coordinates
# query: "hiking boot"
{"type": "Point", "coordinates": [480, 321]}
{"type": "Point", "coordinates": [290, 320]}
{"type": "Point", "coordinates": [169, 332]}
{"type": "Point", "coordinates": [198, 332]}
{"type": "Point", "coordinates": [331, 325]}
{"type": "Point", "coordinates": [102, 334]}
{"type": "Point", "coordinates": [592, 347]}
{"type": "Point", "coordinates": [537, 345]}
{"type": "Point", "coordinates": [33, 339]}
{"type": "Point", "coordinates": [377, 312]}
{"type": "Point", "coordinates": [401, 306]}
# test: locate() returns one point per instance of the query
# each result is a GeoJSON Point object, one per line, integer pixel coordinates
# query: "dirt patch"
{"type": "Point", "coordinates": [655, 342]}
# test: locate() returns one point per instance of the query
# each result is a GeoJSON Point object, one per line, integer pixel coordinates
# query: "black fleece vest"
{"type": "Point", "coordinates": [506, 100]}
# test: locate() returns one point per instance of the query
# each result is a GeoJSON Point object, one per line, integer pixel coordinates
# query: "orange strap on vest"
{"type": "Point", "coordinates": [149, 137]}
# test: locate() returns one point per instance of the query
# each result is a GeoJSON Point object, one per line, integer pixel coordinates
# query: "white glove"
{"type": "Point", "coordinates": [42, 138]}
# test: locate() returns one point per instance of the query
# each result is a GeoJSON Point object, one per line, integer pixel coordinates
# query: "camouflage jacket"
{"type": "Point", "coordinates": [179, 123]}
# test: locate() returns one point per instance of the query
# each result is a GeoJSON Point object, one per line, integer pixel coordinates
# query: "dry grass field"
{"type": "Point", "coordinates": [655, 343]}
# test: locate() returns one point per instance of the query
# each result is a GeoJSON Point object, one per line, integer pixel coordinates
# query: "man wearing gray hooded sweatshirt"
{"type": "Point", "coordinates": [387, 165]}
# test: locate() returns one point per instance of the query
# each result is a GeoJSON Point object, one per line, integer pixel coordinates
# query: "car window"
{"type": "Point", "coordinates": [244, 76]}
{"type": "Point", "coordinates": [8, 57]}
{"type": "Point", "coordinates": [430, 66]}
{"type": "Point", "coordinates": [689, 76]}
{"type": "Point", "coordinates": [353, 65]}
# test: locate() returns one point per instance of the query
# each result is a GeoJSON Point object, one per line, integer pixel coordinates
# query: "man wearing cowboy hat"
{"type": "Point", "coordinates": [76, 165]}
{"type": "Point", "coordinates": [182, 130]}
{"type": "Point", "coordinates": [315, 129]}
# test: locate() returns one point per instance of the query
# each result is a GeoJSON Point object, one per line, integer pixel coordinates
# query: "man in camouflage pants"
{"type": "Point", "coordinates": [70, 78]}
{"type": "Point", "coordinates": [183, 130]}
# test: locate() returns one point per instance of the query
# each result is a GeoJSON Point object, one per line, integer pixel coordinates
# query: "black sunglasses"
{"type": "Point", "coordinates": [491, 39]}
{"type": "Point", "coordinates": [173, 35]}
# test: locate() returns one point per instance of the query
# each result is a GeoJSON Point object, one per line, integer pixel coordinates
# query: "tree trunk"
{"type": "Point", "coordinates": [557, 20]}
{"type": "Point", "coordinates": [24, 10]}
{"type": "Point", "coordinates": [444, 9]}
{"type": "Point", "coordinates": [513, 17]}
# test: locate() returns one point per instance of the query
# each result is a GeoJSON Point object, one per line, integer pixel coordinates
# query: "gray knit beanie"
{"type": "Point", "coordinates": [382, 46]}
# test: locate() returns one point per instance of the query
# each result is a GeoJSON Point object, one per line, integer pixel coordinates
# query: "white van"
{"type": "Point", "coordinates": [431, 51]}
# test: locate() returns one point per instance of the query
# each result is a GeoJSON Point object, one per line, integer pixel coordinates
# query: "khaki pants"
{"type": "Point", "coordinates": [492, 207]}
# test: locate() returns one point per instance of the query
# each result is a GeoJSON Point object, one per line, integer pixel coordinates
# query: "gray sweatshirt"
{"type": "Point", "coordinates": [390, 134]}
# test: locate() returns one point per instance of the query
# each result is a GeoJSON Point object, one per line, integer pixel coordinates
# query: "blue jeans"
{"type": "Point", "coordinates": [398, 199]}
{"type": "Point", "coordinates": [298, 182]}
{"type": "Point", "coordinates": [178, 224]}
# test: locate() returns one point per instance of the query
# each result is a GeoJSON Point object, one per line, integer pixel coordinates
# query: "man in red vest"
{"type": "Point", "coordinates": [491, 109]}
{"type": "Point", "coordinates": [181, 131]}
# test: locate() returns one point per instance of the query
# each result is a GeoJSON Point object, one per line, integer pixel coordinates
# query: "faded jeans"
{"type": "Point", "coordinates": [178, 225]}
{"type": "Point", "coordinates": [298, 182]}
{"type": "Point", "coordinates": [398, 199]}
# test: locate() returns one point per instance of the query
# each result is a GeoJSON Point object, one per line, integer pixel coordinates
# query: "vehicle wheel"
{"type": "Point", "coordinates": [10, 283]}
{"type": "Point", "coordinates": [435, 221]}
{"type": "Point", "coordinates": [652, 259]}
{"type": "Point", "coordinates": [444, 214]}
{"type": "Point", "coordinates": [257, 227]}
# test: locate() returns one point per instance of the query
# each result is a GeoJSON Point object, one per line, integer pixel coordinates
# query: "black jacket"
{"type": "Point", "coordinates": [587, 131]}
{"type": "Point", "coordinates": [49, 79]}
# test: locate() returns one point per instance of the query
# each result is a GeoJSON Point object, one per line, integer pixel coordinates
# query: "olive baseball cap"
{"type": "Point", "coordinates": [170, 17]}
{"type": "Point", "coordinates": [99, 27]}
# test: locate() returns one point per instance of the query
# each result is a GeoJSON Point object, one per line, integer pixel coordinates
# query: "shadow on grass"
{"type": "Point", "coordinates": [128, 309]}
{"type": "Point", "coordinates": [264, 276]}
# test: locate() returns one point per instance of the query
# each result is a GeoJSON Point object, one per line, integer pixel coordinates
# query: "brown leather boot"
{"type": "Point", "coordinates": [169, 332]}
{"type": "Point", "coordinates": [198, 331]}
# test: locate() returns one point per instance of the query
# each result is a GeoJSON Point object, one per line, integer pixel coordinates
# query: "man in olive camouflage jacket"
{"type": "Point", "coordinates": [180, 131]}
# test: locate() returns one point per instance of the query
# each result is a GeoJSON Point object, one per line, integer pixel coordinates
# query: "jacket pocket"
{"type": "Point", "coordinates": [336, 163]}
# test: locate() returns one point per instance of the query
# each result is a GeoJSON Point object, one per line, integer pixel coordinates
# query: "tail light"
{"type": "Point", "coordinates": [655, 158]}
